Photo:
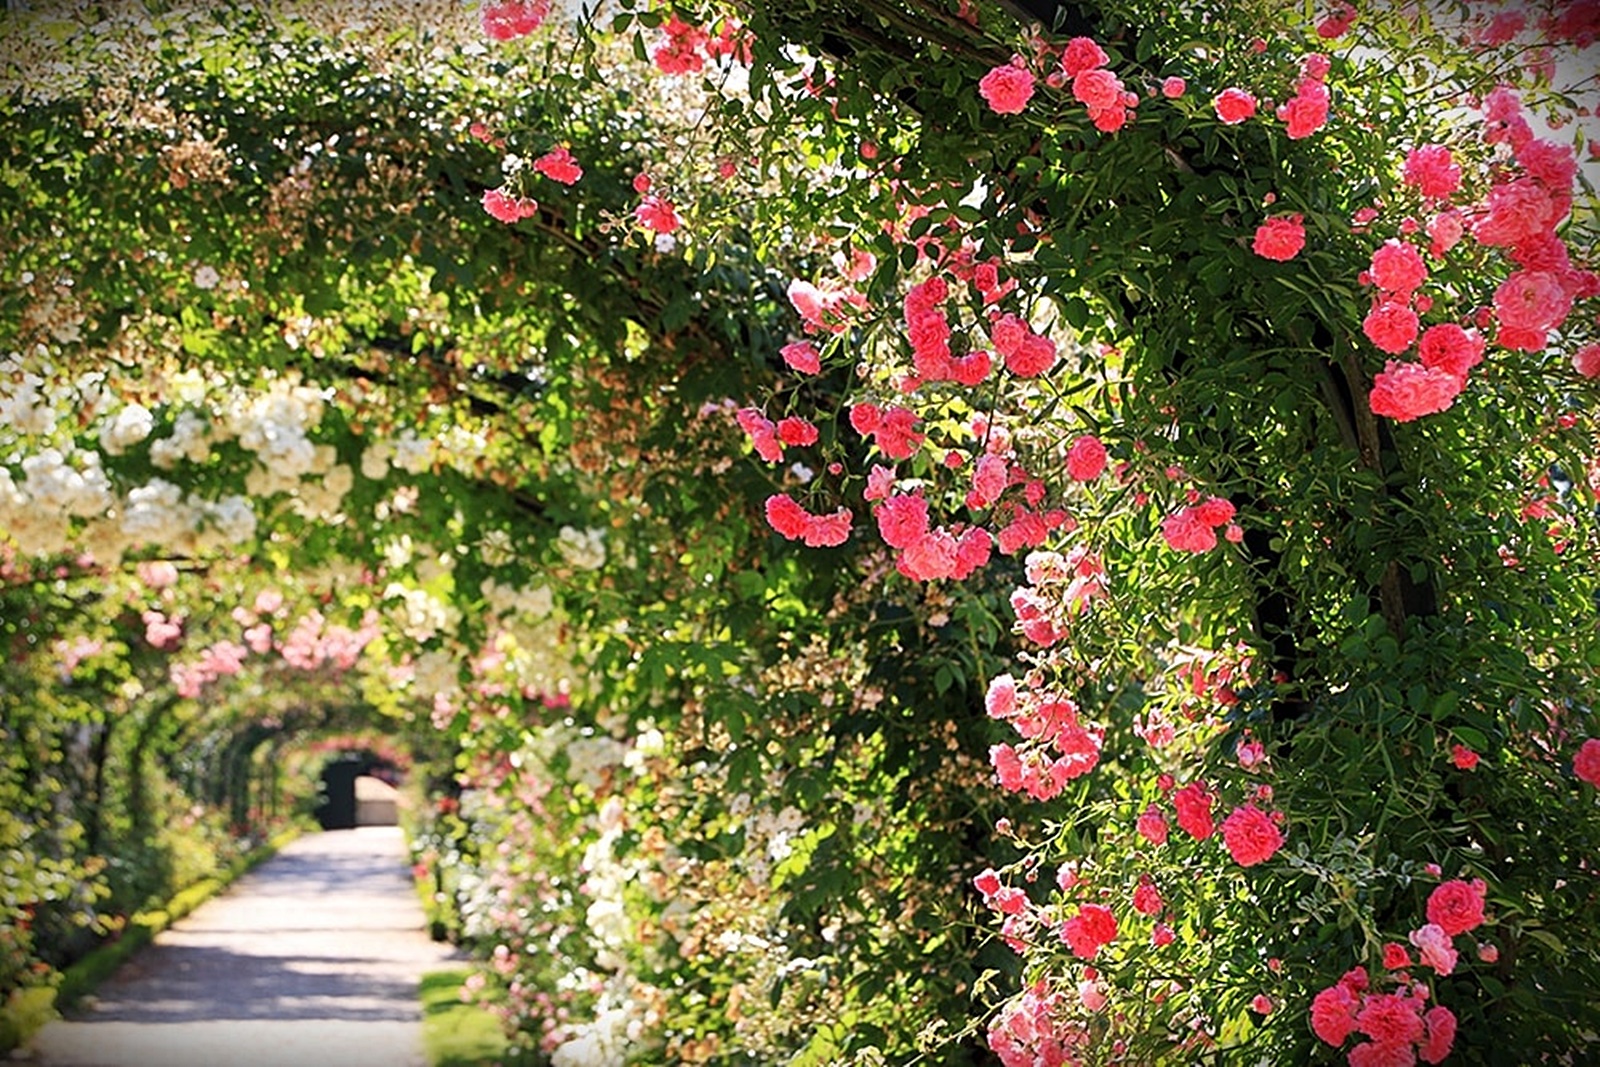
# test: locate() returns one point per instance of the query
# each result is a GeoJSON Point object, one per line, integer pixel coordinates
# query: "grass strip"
{"type": "Point", "coordinates": [455, 1034]}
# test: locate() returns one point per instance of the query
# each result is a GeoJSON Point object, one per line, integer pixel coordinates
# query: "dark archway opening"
{"type": "Point", "coordinates": [356, 790]}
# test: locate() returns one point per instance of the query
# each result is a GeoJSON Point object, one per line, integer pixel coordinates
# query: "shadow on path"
{"type": "Point", "coordinates": [314, 958]}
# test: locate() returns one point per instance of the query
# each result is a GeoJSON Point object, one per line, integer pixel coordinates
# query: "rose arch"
{"type": "Point", "coordinates": [1044, 532]}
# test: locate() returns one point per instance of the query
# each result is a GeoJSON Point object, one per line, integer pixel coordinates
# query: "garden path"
{"type": "Point", "coordinates": [311, 960]}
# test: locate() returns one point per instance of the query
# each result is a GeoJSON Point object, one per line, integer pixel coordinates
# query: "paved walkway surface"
{"type": "Point", "coordinates": [312, 959]}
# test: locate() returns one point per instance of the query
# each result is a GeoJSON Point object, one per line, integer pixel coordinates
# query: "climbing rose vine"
{"type": "Point", "coordinates": [1050, 405]}
{"type": "Point", "coordinates": [812, 475]}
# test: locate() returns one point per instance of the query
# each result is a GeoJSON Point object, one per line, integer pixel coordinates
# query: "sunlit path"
{"type": "Point", "coordinates": [313, 958]}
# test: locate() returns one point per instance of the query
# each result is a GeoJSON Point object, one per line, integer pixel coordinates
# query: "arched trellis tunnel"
{"type": "Point", "coordinates": [900, 532]}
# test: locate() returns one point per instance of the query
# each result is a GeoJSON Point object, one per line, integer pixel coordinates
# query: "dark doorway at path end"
{"type": "Point", "coordinates": [341, 808]}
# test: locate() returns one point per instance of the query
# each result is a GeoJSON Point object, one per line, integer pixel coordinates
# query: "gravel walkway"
{"type": "Point", "coordinates": [312, 959]}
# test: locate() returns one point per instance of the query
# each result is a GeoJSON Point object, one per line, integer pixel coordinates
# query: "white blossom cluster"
{"type": "Point", "coordinates": [190, 439]}
{"type": "Point", "coordinates": [509, 601]}
{"type": "Point", "coordinates": [35, 394]}
{"type": "Point", "coordinates": [463, 447]}
{"type": "Point", "coordinates": [584, 549]}
{"type": "Point", "coordinates": [56, 487]}
{"type": "Point", "coordinates": [124, 428]}
{"type": "Point", "coordinates": [533, 652]}
{"type": "Point", "coordinates": [24, 406]}
{"type": "Point", "coordinates": [322, 499]}
{"type": "Point", "coordinates": [778, 830]}
{"type": "Point", "coordinates": [274, 425]}
{"type": "Point", "coordinates": [161, 514]}
{"type": "Point", "coordinates": [619, 1025]}
{"type": "Point", "coordinates": [408, 452]}
{"type": "Point", "coordinates": [592, 757]}
{"type": "Point", "coordinates": [418, 613]}
{"type": "Point", "coordinates": [606, 1040]}
{"type": "Point", "coordinates": [436, 673]}
{"type": "Point", "coordinates": [495, 548]}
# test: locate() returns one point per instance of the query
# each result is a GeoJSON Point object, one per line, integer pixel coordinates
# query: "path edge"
{"type": "Point", "coordinates": [27, 1011]}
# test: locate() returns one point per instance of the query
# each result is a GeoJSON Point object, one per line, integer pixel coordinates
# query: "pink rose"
{"type": "Point", "coordinates": [1586, 361]}
{"type": "Point", "coordinates": [657, 214]}
{"type": "Point", "coordinates": [1097, 89]}
{"type": "Point", "coordinates": [1337, 24]}
{"type": "Point", "coordinates": [1214, 511]}
{"type": "Point", "coordinates": [802, 356]}
{"type": "Point", "coordinates": [1441, 1024]}
{"type": "Point", "coordinates": [1193, 802]}
{"type": "Point", "coordinates": [1391, 325]}
{"type": "Point", "coordinates": [1007, 89]}
{"type": "Point", "coordinates": [794, 430]}
{"type": "Point", "coordinates": [1306, 112]}
{"type": "Point", "coordinates": [1519, 211]}
{"type": "Point", "coordinates": [1032, 357]}
{"type": "Point", "coordinates": [1186, 533]}
{"type": "Point", "coordinates": [1280, 238]}
{"type": "Point", "coordinates": [559, 166]}
{"type": "Point", "coordinates": [1406, 391]}
{"type": "Point", "coordinates": [1333, 1014]}
{"type": "Point", "coordinates": [902, 520]}
{"type": "Point", "coordinates": [1086, 459]}
{"type": "Point", "coordinates": [1432, 171]}
{"type": "Point", "coordinates": [786, 516]}
{"type": "Point", "coordinates": [1451, 348]}
{"type": "Point", "coordinates": [1152, 826]}
{"type": "Point", "coordinates": [1251, 836]}
{"type": "Point", "coordinates": [1531, 300]}
{"type": "Point", "coordinates": [1586, 764]}
{"type": "Point", "coordinates": [1551, 163]}
{"type": "Point", "coordinates": [1091, 928]}
{"type": "Point", "coordinates": [1445, 232]}
{"type": "Point", "coordinates": [1234, 106]}
{"type": "Point", "coordinates": [1390, 1019]}
{"type": "Point", "coordinates": [1434, 949]}
{"type": "Point", "coordinates": [826, 531]}
{"type": "Point", "coordinates": [1397, 268]}
{"type": "Point", "coordinates": [1082, 54]}
{"type": "Point", "coordinates": [507, 208]}
{"type": "Point", "coordinates": [505, 21]}
{"type": "Point", "coordinates": [1457, 906]}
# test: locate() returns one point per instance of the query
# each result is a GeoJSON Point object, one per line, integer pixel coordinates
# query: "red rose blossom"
{"type": "Point", "coordinates": [1086, 459]}
{"type": "Point", "coordinates": [1432, 171]}
{"type": "Point", "coordinates": [1406, 391]}
{"type": "Point", "coordinates": [506, 21]}
{"type": "Point", "coordinates": [1251, 836]}
{"type": "Point", "coordinates": [1586, 764]}
{"type": "Point", "coordinates": [1280, 238]}
{"type": "Point", "coordinates": [1193, 802]}
{"type": "Point", "coordinates": [1391, 325]}
{"type": "Point", "coordinates": [1082, 54]}
{"type": "Point", "coordinates": [1457, 906]}
{"type": "Point", "coordinates": [1233, 106]}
